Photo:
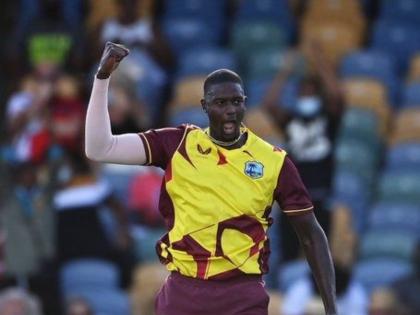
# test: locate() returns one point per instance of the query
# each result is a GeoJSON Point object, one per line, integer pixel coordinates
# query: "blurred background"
{"type": "Point", "coordinates": [334, 82]}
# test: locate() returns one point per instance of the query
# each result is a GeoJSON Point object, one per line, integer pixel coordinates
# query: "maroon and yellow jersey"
{"type": "Point", "coordinates": [216, 202]}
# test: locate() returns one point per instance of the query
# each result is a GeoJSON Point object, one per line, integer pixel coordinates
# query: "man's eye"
{"type": "Point", "coordinates": [238, 101]}
{"type": "Point", "coordinates": [220, 102]}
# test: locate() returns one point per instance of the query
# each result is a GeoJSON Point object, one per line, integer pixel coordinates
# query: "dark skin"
{"type": "Point", "coordinates": [224, 104]}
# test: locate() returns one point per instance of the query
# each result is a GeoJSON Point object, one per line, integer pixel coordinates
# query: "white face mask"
{"type": "Point", "coordinates": [307, 106]}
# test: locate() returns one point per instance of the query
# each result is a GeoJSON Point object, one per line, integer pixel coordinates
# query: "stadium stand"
{"type": "Point", "coordinates": [374, 47]}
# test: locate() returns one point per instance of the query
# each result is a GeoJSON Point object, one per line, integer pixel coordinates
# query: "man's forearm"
{"type": "Point", "coordinates": [319, 258]}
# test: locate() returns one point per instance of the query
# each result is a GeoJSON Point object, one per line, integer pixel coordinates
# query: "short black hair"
{"type": "Point", "coordinates": [221, 76]}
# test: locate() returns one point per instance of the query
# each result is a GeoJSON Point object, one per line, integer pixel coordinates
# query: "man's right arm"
{"type": "Point", "coordinates": [100, 144]}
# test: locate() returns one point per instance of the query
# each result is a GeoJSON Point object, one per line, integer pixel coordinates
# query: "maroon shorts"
{"type": "Point", "coordinates": [182, 295]}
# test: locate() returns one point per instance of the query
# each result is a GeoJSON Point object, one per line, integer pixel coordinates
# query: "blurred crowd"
{"type": "Point", "coordinates": [334, 82]}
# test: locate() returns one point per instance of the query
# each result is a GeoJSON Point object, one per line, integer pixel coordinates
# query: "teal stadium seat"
{"type": "Point", "coordinates": [249, 37]}
{"type": "Point", "coordinates": [387, 243]}
{"type": "Point", "coordinates": [375, 273]}
{"type": "Point", "coordinates": [264, 64]}
{"type": "Point", "coordinates": [357, 156]}
{"type": "Point", "coordinates": [400, 187]}
{"type": "Point", "coordinates": [360, 124]}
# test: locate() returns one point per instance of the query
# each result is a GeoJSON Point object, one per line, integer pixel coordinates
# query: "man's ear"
{"type": "Point", "coordinates": [203, 105]}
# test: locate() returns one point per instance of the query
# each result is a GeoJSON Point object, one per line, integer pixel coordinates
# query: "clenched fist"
{"type": "Point", "coordinates": [111, 57]}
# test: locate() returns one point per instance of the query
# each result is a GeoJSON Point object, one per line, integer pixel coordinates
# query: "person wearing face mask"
{"type": "Point", "coordinates": [310, 126]}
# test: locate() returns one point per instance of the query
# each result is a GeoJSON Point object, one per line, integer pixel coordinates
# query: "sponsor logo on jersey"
{"type": "Point", "coordinates": [205, 152]}
{"type": "Point", "coordinates": [254, 169]}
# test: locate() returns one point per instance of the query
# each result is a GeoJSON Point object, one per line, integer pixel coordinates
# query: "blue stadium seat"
{"type": "Point", "coordinates": [360, 124]}
{"type": "Point", "coordinates": [277, 11]}
{"type": "Point", "coordinates": [186, 34]}
{"type": "Point", "coordinates": [396, 217]}
{"type": "Point", "coordinates": [256, 89]}
{"type": "Point", "coordinates": [357, 156]}
{"type": "Point", "coordinates": [401, 40]}
{"type": "Point", "coordinates": [375, 273]}
{"type": "Point", "coordinates": [211, 13]}
{"type": "Point", "coordinates": [251, 36]}
{"type": "Point", "coordinates": [351, 189]}
{"type": "Point", "coordinates": [204, 61]}
{"type": "Point", "coordinates": [400, 186]}
{"type": "Point", "coordinates": [411, 95]}
{"type": "Point", "coordinates": [88, 274]}
{"type": "Point", "coordinates": [265, 64]}
{"type": "Point", "coordinates": [401, 10]}
{"type": "Point", "coordinates": [292, 271]}
{"type": "Point", "coordinates": [106, 301]}
{"type": "Point", "coordinates": [404, 156]}
{"type": "Point", "coordinates": [194, 115]}
{"type": "Point", "coordinates": [388, 243]}
{"type": "Point", "coordinates": [373, 65]}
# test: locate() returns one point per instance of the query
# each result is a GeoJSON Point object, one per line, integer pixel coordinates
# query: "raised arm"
{"type": "Point", "coordinates": [314, 242]}
{"type": "Point", "coordinates": [100, 144]}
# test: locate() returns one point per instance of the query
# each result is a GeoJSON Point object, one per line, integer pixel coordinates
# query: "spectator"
{"type": "Point", "coordinates": [27, 220]}
{"type": "Point", "coordinates": [134, 31]}
{"type": "Point", "coordinates": [126, 113]}
{"type": "Point", "coordinates": [26, 115]}
{"type": "Point", "coordinates": [309, 128]}
{"type": "Point", "coordinates": [78, 306]}
{"type": "Point", "coordinates": [47, 37]}
{"type": "Point", "coordinates": [82, 230]}
{"type": "Point", "coordinates": [15, 301]}
{"type": "Point", "coordinates": [66, 112]}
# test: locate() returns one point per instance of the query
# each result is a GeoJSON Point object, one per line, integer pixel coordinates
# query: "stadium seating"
{"type": "Point", "coordinates": [106, 302]}
{"type": "Point", "coordinates": [401, 40]}
{"type": "Point", "coordinates": [400, 11]}
{"type": "Point", "coordinates": [88, 274]}
{"type": "Point", "coordinates": [414, 68]}
{"type": "Point", "coordinates": [411, 95]}
{"type": "Point", "coordinates": [262, 125]}
{"type": "Point", "coordinates": [256, 89]}
{"type": "Point", "coordinates": [374, 273]}
{"type": "Point", "coordinates": [399, 186]}
{"type": "Point", "coordinates": [404, 156]}
{"type": "Point", "coordinates": [276, 11]}
{"type": "Point", "coordinates": [375, 65]}
{"type": "Point", "coordinates": [335, 37]}
{"type": "Point", "coordinates": [188, 92]}
{"type": "Point", "coordinates": [212, 13]}
{"type": "Point", "coordinates": [253, 36]}
{"type": "Point", "coordinates": [265, 64]}
{"type": "Point", "coordinates": [360, 123]}
{"type": "Point", "coordinates": [398, 244]}
{"type": "Point", "coordinates": [344, 11]}
{"type": "Point", "coordinates": [186, 34]}
{"type": "Point", "coordinates": [357, 156]}
{"type": "Point", "coordinates": [406, 126]}
{"type": "Point", "coordinates": [192, 115]}
{"type": "Point", "coordinates": [369, 94]}
{"type": "Point", "coordinates": [204, 61]}
{"type": "Point", "coordinates": [395, 216]}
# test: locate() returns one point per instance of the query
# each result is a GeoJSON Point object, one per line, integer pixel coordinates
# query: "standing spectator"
{"type": "Point", "coordinates": [66, 113]}
{"type": "Point", "coordinates": [310, 128]}
{"type": "Point", "coordinates": [27, 220]}
{"type": "Point", "coordinates": [81, 230]}
{"type": "Point", "coordinates": [134, 31]}
{"type": "Point", "coordinates": [26, 115]}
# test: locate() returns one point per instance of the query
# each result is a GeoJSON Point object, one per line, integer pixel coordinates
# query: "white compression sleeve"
{"type": "Point", "coordinates": [100, 144]}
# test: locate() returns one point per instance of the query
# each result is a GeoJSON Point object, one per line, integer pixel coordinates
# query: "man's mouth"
{"type": "Point", "coordinates": [229, 127]}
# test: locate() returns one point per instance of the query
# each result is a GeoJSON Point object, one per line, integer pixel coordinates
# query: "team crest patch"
{"type": "Point", "coordinates": [254, 169]}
